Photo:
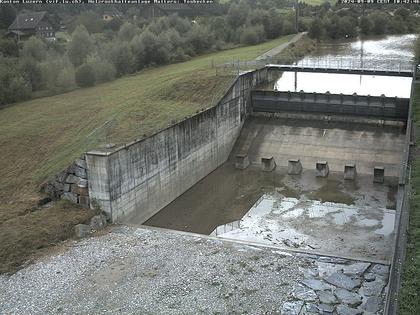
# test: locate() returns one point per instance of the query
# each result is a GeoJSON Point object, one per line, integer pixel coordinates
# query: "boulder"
{"type": "Point", "coordinates": [81, 163]}
{"type": "Point", "coordinates": [80, 172]}
{"type": "Point", "coordinates": [82, 230]}
{"type": "Point", "coordinates": [98, 222]}
{"type": "Point", "coordinates": [316, 285]}
{"type": "Point", "coordinates": [291, 308]}
{"type": "Point", "coordinates": [70, 197]}
{"type": "Point", "coordinates": [345, 310]}
{"type": "Point", "coordinates": [304, 294]}
{"type": "Point", "coordinates": [83, 183]}
{"type": "Point", "coordinates": [349, 298]}
{"type": "Point", "coordinates": [72, 179]}
{"type": "Point", "coordinates": [326, 297]}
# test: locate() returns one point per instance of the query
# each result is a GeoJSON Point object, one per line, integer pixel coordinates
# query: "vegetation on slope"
{"type": "Point", "coordinates": [409, 303]}
{"type": "Point", "coordinates": [40, 137]}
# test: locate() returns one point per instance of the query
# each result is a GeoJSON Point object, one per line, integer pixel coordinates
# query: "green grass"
{"type": "Point", "coordinates": [40, 137]}
{"type": "Point", "coordinates": [409, 303]}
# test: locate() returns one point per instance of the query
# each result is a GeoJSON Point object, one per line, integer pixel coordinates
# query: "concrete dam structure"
{"type": "Point", "coordinates": [141, 178]}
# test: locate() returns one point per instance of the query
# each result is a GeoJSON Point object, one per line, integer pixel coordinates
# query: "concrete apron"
{"type": "Point", "coordinates": [261, 245]}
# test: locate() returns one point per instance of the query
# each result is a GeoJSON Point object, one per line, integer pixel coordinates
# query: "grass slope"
{"type": "Point", "coordinates": [409, 303]}
{"type": "Point", "coordinates": [40, 137]}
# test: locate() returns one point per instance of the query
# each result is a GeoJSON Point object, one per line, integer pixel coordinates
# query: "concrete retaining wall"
{"type": "Point", "coordinates": [143, 177]}
{"type": "Point", "coordinates": [353, 105]}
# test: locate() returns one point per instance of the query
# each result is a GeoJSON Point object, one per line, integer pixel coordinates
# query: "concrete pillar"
{"type": "Point", "coordinates": [268, 164]}
{"type": "Point", "coordinates": [242, 161]}
{"type": "Point", "coordinates": [379, 174]}
{"type": "Point", "coordinates": [295, 167]}
{"type": "Point", "coordinates": [350, 171]}
{"type": "Point", "coordinates": [322, 169]}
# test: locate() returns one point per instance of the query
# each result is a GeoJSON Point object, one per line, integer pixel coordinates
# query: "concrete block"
{"type": "Point", "coordinates": [268, 164]}
{"type": "Point", "coordinates": [295, 167]}
{"type": "Point", "coordinates": [242, 161]}
{"type": "Point", "coordinates": [379, 174]}
{"type": "Point", "coordinates": [322, 169]}
{"type": "Point", "coordinates": [350, 171]}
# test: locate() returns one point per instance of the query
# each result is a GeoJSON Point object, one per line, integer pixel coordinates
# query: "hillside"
{"type": "Point", "coordinates": [40, 137]}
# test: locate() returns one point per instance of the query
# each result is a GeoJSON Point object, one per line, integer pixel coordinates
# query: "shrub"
{"type": "Point", "coordinates": [66, 79]}
{"type": "Point", "coordinates": [8, 48]}
{"type": "Point", "coordinates": [34, 48]}
{"type": "Point", "coordinates": [80, 46]}
{"type": "Point", "coordinates": [252, 35]}
{"type": "Point", "coordinates": [85, 76]}
{"type": "Point", "coordinates": [128, 31]}
{"type": "Point", "coordinates": [31, 70]}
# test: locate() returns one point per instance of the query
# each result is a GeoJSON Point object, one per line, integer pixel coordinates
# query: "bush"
{"type": "Point", "coordinates": [252, 35]}
{"type": "Point", "coordinates": [104, 70]}
{"type": "Point", "coordinates": [31, 70]}
{"type": "Point", "coordinates": [128, 31]}
{"type": "Point", "coordinates": [8, 48]}
{"type": "Point", "coordinates": [316, 29]}
{"type": "Point", "coordinates": [66, 79]}
{"type": "Point", "coordinates": [13, 86]}
{"type": "Point", "coordinates": [34, 48]}
{"type": "Point", "coordinates": [121, 56]}
{"type": "Point", "coordinates": [85, 76]}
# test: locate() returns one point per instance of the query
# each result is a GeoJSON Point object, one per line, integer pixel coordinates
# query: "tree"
{"type": "Point", "coordinates": [66, 79]}
{"type": "Point", "coordinates": [128, 31]}
{"type": "Point", "coordinates": [237, 14]}
{"type": "Point", "coordinates": [80, 46]}
{"type": "Point", "coordinates": [347, 27]}
{"type": "Point", "coordinates": [31, 71]}
{"type": "Point", "coordinates": [379, 22]}
{"type": "Point", "coordinates": [8, 48]}
{"type": "Point", "coordinates": [85, 76]}
{"type": "Point", "coordinates": [365, 25]}
{"type": "Point", "coordinates": [402, 12]}
{"type": "Point", "coordinates": [316, 29]}
{"type": "Point", "coordinates": [252, 35]}
{"type": "Point", "coordinates": [7, 15]}
{"type": "Point", "coordinates": [34, 48]}
{"type": "Point", "coordinates": [103, 69]}
{"type": "Point", "coordinates": [122, 58]}
{"type": "Point", "coordinates": [273, 26]}
{"type": "Point", "coordinates": [91, 21]}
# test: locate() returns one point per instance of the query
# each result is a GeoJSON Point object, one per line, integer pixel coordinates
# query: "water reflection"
{"type": "Point", "coordinates": [344, 83]}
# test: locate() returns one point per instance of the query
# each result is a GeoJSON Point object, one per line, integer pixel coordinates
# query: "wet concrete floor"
{"type": "Point", "coordinates": [227, 194]}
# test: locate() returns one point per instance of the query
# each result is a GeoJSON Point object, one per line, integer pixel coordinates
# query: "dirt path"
{"type": "Point", "coordinates": [276, 50]}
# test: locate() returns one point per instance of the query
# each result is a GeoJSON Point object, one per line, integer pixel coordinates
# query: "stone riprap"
{"type": "Point", "coordinates": [70, 184]}
{"type": "Point", "coordinates": [183, 274]}
{"type": "Point", "coordinates": [339, 287]}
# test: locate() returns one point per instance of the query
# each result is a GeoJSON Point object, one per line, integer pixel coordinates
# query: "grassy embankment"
{"type": "Point", "coordinates": [409, 303]}
{"type": "Point", "coordinates": [40, 137]}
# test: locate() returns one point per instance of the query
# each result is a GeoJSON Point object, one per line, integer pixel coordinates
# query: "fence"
{"type": "Point", "coordinates": [336, 63]}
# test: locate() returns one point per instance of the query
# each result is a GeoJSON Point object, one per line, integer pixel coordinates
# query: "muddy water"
{"type": "Point", "coordinates": [227, 194]}
{"type": "Point", "coordinates": [385, 53]}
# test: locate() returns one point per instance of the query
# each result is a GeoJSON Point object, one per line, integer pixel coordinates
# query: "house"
{"type": "Point", "coordinates": [158, 10]}
{"type": "Point", "coordinates": [30, 24]}
{"type": "Point", "coordinates": [111, 14]}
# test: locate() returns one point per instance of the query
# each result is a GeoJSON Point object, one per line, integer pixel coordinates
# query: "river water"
{"type": "Point", "coordinates": [385, 53]}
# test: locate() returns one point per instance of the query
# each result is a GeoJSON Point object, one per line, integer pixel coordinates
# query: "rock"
{"type": "Point", "coordinates": [58, 186]}
{"type": "Point", "coordinates": [70, 197]}
{"type": "Point", "coordinates": [83, 183]}
{"type": "Point", "coordinates": [342, 281]}
{"type": "Point", "coordinates": [380, 270]}
{"type": "Point", "coordinates": [291, 308]}
{"type": "Point", "coordinates": [356, 269]}
{"type": "Point", "coordinates": [72, 179]}
{"type": "Point", "coordinates": [325, 309]}
{"type": "Point", "coordinates": [304, 294]}
{"type": "Point", "coordinates": [373, 304]}
{"type": "Point", "coordinates": [44, 201]}
{"type": "Point", "coordinates": [373, 288]}
{"type": "Point", "coordinates": [98, 222]}
{"type": "Point", "coordinates": [84, 201]}
{"type": "Point", "coordinates": [80, 172]}
{"type": "Point", "coordinates": [310, 309]}
{"type": "Point", "coordinates": [326, 297]}
{"type": "Point", "coordinates": [349, 298]}
{"type": "Point", "coordinates": [310, 273]}
{"type": "Point", "coordinates": [345, 310]}
{"type": "Point", "coordinates": [81, 163]}
{"type": "Point", "coordinates": [66, 187]}
{"type": "Point", "coordinates": [370, 277]}
{"type": "Point", "coordinates": [82, 230]}
{"type": "Point", "coordinates": [327, 269]}
{"type": "Point", "coordinates": [316, 285]}
{"type": "Point", "coordinates": [61, 177]}
{"type": "Point", "coordinates": [71, 168]}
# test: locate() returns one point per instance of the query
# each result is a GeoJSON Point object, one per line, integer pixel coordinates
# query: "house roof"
{"type": "Point", "coordinates": [27, 20]}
